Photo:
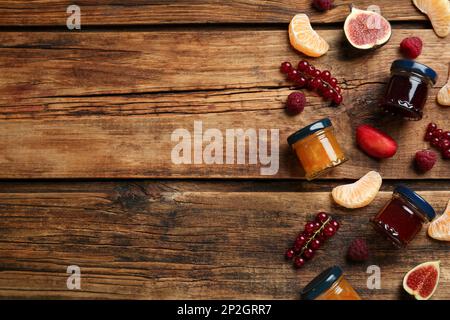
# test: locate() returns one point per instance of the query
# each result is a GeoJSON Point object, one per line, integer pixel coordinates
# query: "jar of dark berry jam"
{"type": "Point", "coordinates": [407, 89]}
{"type": "Point", "coordinates": [403, 216]}
{"type": "Point", "coordinates": [330, 285]}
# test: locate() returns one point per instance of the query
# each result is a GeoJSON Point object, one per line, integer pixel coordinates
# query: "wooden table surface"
{"type": "Point", "coordinates": [86, 176]}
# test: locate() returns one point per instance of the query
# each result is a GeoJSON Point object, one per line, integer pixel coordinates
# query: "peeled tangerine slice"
{"type": "Point", "coordinates": [304, 38]}
{"type": "Point", "coordinates": [438, 11]}
{"type": "Point", "coordinates": [439, 229]}
{"type": "Point", "coordinates": [360, 193]}
{"type": "Point", "coordinates": [443, 97]}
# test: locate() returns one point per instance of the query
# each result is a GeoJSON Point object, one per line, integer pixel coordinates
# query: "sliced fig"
{"type": "Point", "coordinates": [366, 29]}
{"type": "Point", "coordinates": [422, 280]}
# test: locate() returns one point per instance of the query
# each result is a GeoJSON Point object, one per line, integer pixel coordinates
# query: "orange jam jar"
{"type": "Point", "coordinates": [316, 148]}
{"type": "Point", "coordinates": [330, 285]}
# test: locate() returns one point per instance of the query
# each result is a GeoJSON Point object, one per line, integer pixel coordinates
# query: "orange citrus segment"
{"type": "Point", "coordinates": [360, 193]}
{"type": "Point", "coordinates": [439, 229]}
{"type": "Point", "coordinates": [304, 38]}
{"type": "Point", "coordinates": [443, 96]}
{"type": "Point", "coordinates": [438, 11]}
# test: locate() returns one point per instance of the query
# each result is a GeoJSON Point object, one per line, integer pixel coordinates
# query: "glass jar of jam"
{"type": "Point", "coordinates": [316, 148]}
{"type": "Point", "coordinates": [403, 216]}
{"type": "Point", "coordinates": [330, 285]}
{"type": "Point", "coordinates": [407, 89]}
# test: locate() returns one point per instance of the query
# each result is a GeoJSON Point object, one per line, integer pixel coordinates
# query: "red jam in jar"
{"type": "Point", "coordinates": [403, 216]}
{"type": "Point", "coordinates": [407, 90]}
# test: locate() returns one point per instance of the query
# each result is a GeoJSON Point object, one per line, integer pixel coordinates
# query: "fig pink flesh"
{"type": "Point", "coordinates": [423, 280]}
{"type": "Point", "coordinates": [367, 29]}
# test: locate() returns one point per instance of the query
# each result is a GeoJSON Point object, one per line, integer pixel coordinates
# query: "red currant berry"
{"type": "Point", "coordinates": [328, 94]}
{"type": "Point", "coordinates": [286, 67]}
{"type": "Point", "coordinates": [435, 142]}
{"type": "Point", "coordinates": [315, 83]}
{"type": "Point", "coordinates": [301, 240]}
{"type": "Point", "coordinates": [297, 248]}
{"type": "Point", "coordinates": [321, 217]}
{"type": "Point", "coordinates": [306, 234]}
{"type": "Point", "coordinates": [317, 226]}
{"type": "Point", "coordinates": [445, 135]}
{"type": "Point", "coordinates": [293, 75]}
{"type": "Point", "coordinates": [299, 262]}
{"type": "Point", "coordinates": [303, 65]}
{"type": "Point", "coordinates": [431, 127]}
{"type": "Point", "coordinates": [337, 98]}
{"type": "Point", "coordinates": [321, 237]}
{"type": "Point", "coordinates": [444, 144]}
{"type": "Point", "coordinates": [308, 253]}
{"type": "Point", "coordinates": [338, 89]}
{"type": "Point", "coordinates": [310, 70]}
{"type": "Point", "coordinates": [437, 133]}
{"type": "Point", "coordinates": [335, 224]}
{"type": "Point", "coordinates": [317, 73]}
{"type": "Point", "coordinates": [325, 75]}
{"type": "Point", "coordinates": [300, 81]}
{"type": "Point", "coordinates": [333, 82]}
{"type": "Point", "coordinates": [446, 154]}
{"type": "Point", "coordinates": [428, 136]}
{"type": "Point", "coordinates": [329, 231]}
{"type": "Point", "coordinates": [315, 244]}
{"type": "Point", "coordinates": [310, 227]}
{"type": "Point", "coordinates": [289, 254]}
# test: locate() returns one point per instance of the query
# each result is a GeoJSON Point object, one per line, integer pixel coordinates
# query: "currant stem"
{"type": "Point", "coordinates": [314, 236]}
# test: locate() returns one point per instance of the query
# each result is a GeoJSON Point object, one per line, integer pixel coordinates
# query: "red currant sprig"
{"type": "Point", "coordinates": [322, 82]}
{"type": "Point", "coordinates": [439, 139]}
{"type": "Point", "coordinates": [312, 238]}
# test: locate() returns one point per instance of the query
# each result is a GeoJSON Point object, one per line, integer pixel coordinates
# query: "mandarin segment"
{"type": "Point", "coordinates": [304, 38]}
{"type": "Point", "coordinates": [439, 228]}
{"type": "Point", "coordinates": [438, 11]}
{"type": "Point", "coordinates": [360, 193]}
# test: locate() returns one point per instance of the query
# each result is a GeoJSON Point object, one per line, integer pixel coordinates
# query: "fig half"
{"type": "Point", "coordinates": [366, 29]}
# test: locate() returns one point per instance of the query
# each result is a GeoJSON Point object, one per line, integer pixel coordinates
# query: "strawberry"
{"type": "Point", "coordinates": [375, 142]}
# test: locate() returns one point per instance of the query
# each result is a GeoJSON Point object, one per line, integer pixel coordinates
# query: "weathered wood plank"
{"type": "Point", "coordinates": [142, 147]}
{"type": "Point", "coordinates": [63, 102]}
{"type": "Point", "coordinates": [113, 12]}
{"type": "Point", "coordinates": [142, 242]}
{"type": "Point", "coordinates": [68, 65]}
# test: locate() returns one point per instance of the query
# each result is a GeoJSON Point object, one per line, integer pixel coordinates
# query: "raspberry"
{"type": "Point", "coordinates": [323, 5]}
{"type": "Point", "coordinates": [295, 103]}
{"type": "Point", "coordinates": [411, 47]}
{"type": "Point", "coordinates": [358, 250]}
{"type": "Point", "coordinates": [425, 160]}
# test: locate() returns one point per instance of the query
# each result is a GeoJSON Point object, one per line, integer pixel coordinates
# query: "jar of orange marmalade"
{"type": "Point", "coordinates": [316, 148]}
{"type": "Point", "coordinates": [330, 285]}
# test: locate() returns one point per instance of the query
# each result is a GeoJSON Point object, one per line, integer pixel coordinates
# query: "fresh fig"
{"type": "Point", "coordinates": [366, 29]}
{"type": "Point", "coordinates": [422, 280]}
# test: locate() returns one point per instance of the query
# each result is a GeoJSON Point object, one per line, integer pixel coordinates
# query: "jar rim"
{"type": "Point", "coordinates": [321, 283]}
{"type": "Point", "coordinates": [416, 200]}
{"type": "Point", "coordinates": [416, 67]}
{"type": "Point", "coordinates": [309, 130]}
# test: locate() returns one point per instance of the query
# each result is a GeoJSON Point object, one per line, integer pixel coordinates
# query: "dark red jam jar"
{"type": "Point", "coordinates": [403, 216]}
{"type": "Point", "coordinates": [407, 89]}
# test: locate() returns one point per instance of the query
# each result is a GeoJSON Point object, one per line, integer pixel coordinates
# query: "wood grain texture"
{"type": "Point", "coordinates": [63, 99]}
{"type": "Point", "coordinates": [113, 12]}
{"type": "Point", "coordinates": [144, 241]}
